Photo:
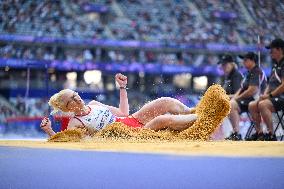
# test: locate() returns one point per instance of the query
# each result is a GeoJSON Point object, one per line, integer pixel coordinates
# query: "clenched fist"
{"type": "Point", "coordinates": [121, 80]}
{"type": "Point", "coordinates": [45, 124]}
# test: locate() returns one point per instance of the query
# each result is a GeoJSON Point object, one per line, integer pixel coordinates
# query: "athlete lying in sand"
{"type": "Point", "coordinates": [158, 114]}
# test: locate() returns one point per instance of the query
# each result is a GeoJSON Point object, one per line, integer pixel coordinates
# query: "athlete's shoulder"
{"type": "Point", "coordinates": [95, 103]}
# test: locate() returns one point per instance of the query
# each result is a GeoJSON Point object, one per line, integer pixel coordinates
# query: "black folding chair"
{"type": "Point", "coordinates": [251, 127]}
{"type": "Point", "coordinates": [280, 116]}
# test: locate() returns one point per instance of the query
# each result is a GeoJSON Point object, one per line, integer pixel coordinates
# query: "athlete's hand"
{"type": "Point", "coordinates": [121, 80]}
{"type": "Point", "coordinates": [45, 124]}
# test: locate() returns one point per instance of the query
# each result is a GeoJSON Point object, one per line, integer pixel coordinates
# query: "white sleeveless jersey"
{"type": "Point", "coordinates": [98, 118]}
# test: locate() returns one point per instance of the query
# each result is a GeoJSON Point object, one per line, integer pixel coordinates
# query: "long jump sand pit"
{"type": "Point", "coordinates": [210, 148]}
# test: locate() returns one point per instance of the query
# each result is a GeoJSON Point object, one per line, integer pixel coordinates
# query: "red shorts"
{"type": "Point", "coordinates": [130, 121]}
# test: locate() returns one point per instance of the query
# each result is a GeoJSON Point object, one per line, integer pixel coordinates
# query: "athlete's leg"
{"type": "Point", "coordinates": [175, 122]}
{"type": "Point", "coordinates": [161, 106]}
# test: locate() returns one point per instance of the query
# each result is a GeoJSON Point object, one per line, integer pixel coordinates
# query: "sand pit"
{"type": "Point", "coordinates": [220, 148]}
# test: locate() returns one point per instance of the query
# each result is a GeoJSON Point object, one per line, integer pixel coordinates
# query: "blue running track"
{"type": "Point", "coordinates": [28, 168]}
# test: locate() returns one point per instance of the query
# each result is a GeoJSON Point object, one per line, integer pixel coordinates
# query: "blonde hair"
{"type": "Point", "coordinates": [56, 102]}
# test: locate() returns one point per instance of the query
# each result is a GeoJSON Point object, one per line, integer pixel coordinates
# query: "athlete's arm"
{"type": "Point", "coordinates": [123, 99]}
{"type": "Point", "coordinates": [123, 109]}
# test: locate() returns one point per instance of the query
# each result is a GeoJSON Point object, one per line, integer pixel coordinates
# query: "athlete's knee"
{"type": "Point", "coordinates": [171, 105]}
{"type": "Point", "coordinates": [166, 100]}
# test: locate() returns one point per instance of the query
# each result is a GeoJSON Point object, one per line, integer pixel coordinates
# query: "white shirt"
{"type": "Point", "coordinates": [98, 117]}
